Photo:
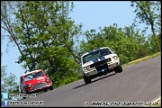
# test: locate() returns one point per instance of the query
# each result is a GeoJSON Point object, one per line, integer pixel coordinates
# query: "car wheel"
{"type": "Point", "coordinates": [87, 80]}
{"type": "Point", "coordinates": [118, 69]}
{"type": "Point", "coordinates": [24, 91]}
{"type": "Point", "coordinates": [51, 88]}
{"type": "Point", "coordinates": [45, 90]}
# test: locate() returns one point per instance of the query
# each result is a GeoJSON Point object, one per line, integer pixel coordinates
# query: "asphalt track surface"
{"type": "Point", "coordinates": [136, 84]}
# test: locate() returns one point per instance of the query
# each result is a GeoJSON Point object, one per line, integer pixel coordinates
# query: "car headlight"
{"type": "Point", "coordinates": [47, 79]}
{"type": "Point", "coordinates": [115, 57]}
{"type": "Point", "coordinates": [29, 85]}
{"type": "Point", "coordinates": [86, 68]}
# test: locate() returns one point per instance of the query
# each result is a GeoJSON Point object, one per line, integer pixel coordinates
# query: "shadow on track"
{"type": "Point", "coordinates": [94, 80]}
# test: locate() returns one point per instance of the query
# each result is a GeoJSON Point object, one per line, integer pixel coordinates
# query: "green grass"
{"type": "Point", "coordinates": [158, 104]}
{"type": "Point", "coordinates": [141, 59]}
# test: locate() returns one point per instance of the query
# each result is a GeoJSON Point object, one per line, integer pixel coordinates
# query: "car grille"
{"type": "Point", "coordinates": [104, 66]}
{"type": "Point", "coordinates": [39, 85]}
{"type": "Point", "coordinates": [100, 63]}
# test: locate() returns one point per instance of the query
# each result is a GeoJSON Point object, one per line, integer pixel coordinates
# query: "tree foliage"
{"type": "Point", "coordinates": [45, 34]}
{"type": "Point", "coordinates": [128, 43]}
{"type": "Point", "coordinates": [149, 12]}
{"type": "Point", "coordinates": [8, 83]}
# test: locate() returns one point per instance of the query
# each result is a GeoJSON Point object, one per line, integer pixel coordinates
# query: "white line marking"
{"type": "Point", "coordinates": [157, 99]}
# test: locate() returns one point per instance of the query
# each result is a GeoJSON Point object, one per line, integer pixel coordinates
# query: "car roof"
{"type": "Point", "coordinates": [32, 72]}
{"type": "Point", "coordinates": [95, 50]}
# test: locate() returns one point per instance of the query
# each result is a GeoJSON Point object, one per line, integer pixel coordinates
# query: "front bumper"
{"type": "Point", "coordinates": [108, 66]}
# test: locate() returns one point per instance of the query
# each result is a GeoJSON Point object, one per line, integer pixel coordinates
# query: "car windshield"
{"type": "Point", "coordinates": [96, 54]}
{"type": "Point", "coordinates": [33, 75]}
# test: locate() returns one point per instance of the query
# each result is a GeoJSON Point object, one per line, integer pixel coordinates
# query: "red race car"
{"type": "Point", "coordinates": [35, 81]}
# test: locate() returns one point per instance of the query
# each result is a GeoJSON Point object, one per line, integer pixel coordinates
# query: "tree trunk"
{"type": "Point", "coordinates": [155, 37]}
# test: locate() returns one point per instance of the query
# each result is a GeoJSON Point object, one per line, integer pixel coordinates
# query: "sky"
{"type": "Point", "coordinates": [92, 15]}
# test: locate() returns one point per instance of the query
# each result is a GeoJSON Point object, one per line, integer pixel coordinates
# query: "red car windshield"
{"type": "Point", "coordinates": [33, 75]}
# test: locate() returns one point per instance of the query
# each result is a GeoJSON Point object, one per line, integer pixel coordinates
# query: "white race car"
{"type": "Point", "coordinates": [99, 62]}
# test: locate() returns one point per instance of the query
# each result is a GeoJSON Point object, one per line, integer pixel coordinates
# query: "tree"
{"type": "Point", "coordinates": [149, 13]}
{"type": "Point", "coordinates": [8, 83]}
{"type": "Point", "coordinates": [7, 20]}
{"type": "Point", "coordinates": [45, 33]}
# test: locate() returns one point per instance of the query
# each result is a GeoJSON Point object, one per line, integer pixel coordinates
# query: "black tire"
{"type": "Point", "coordinates": [45, 90]}
{"type": "Point", "coordinates": [87, 80]}
{"type": "Point", "coordinates": [24, 97]}
{"type": "Point", "coordinates": [51, 87]}
{"type": "Point", "coordinates": [24, 91]}
{"type": "Point", "coordinates": [118, 69]}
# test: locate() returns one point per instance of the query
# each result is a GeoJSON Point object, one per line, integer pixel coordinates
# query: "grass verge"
{"type": "Point", "coordinates": [157, 104]}
{"type": "Point", "coordinates": [141, 59]}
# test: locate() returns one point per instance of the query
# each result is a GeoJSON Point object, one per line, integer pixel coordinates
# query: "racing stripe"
{"type": "Point", "coordinates": [95, 60]}
{"type": "Point", "coordinates": [102, 58]}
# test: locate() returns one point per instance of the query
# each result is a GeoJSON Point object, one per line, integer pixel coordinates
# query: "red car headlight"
{"type": "Point", "coordinates": [47, 79]}
{"type": "Point", "coordinates": [29, 85]}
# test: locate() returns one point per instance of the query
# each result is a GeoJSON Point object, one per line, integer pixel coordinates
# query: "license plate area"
{"type": "Point", "coordinates": [102, 68]}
